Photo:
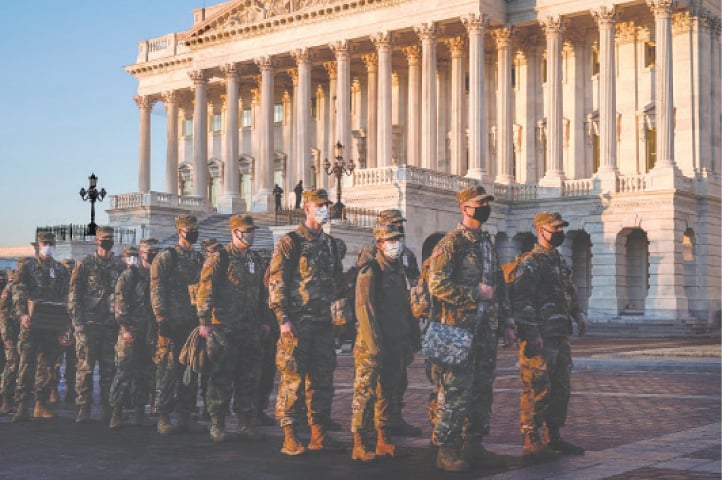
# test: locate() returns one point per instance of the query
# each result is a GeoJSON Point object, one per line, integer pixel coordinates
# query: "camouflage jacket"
{"type": "Point", "coordinates": [303, 284]}
{"type": "Point", "coordinates": [9, 326]}
{"type": "Point", "coordinates": [458, 263]}
{"type": "Point", "coordinates": [382, 311]}
{"type": "Point", "coordinates": [543, 296]}
{"type": "Point", "coordinates": [231, 290]}
{"type": "Point", "coordinates": [407, 258]}
{"type": "Point", "coordinates": [170, 276]}
{"type": "Point", "coordinates": [132, 299]}
{"type": "Point", "coordinates": [92, 290]}
{"type": "Point", "coordinates": [40, 280]}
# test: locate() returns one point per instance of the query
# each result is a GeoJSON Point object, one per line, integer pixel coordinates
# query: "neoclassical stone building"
{"type": "Point", "coordinates": [606, 112]}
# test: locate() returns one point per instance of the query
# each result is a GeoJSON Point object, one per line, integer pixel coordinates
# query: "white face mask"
{"type": "Point", "coordinates": [321, 215]}
{"type": "Point", "coordinates": [393, 249]}
{"type": "Point", "coordinates": [131, 261]}
{"type": "Point", "coordinates": [46, 250]}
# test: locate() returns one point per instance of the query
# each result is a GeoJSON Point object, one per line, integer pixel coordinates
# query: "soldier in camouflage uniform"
{"type": "Point", "coordinates": [305, 271]}
{"type": "Point", "coordinates": [268, 364]}
{"type": "Point", "coordinates": [384, 325]}
{"type": "Point", "coordinates": [466, 281]}
{"type": "Point", "coordinates": [397, 424]}
{"type": "Point", "coordinates": [9, 329]}
{"type": "Point", "coordinates": [172, 272]}
{"type": "Point", "coordinates": [232, 301]}
{"type": "Point", "coordinates": [39, 279]}
{"type": "Point", "coordinates": [545, 303]}
{"type": "Point", "coordinates": [67, 350]}
{"type": "Point", "coordinates": [91, 305]}
{"type": "Point", "coordinates": [133, 353]}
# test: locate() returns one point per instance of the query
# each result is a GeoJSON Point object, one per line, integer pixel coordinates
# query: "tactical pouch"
{"type": "Point", "coordinates": [447, 345]}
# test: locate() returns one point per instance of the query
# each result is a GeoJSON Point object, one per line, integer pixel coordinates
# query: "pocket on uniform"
{"type": "Point", "coordinates": [285, 355]}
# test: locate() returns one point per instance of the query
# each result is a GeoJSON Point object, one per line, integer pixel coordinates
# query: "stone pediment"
{"type": "Point", "coordinates": [242, 13]}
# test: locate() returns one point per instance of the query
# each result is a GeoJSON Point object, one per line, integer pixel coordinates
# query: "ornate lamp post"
{"type": "Point", "coordinates": [338, 169]}
{"type": "Point", "coordinates": [93, 195]}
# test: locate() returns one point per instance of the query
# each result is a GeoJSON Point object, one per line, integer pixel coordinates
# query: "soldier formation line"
{"type": "Point", "coordinates": [163, 325]}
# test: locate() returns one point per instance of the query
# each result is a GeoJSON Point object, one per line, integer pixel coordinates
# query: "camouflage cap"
{"type": "Point", "coordinates": [242, 222]}
{"type": "Point", "coordinates": [106, 232]}
{"type": "Point", "coordinates": [473, 194]}
{"type": "Point", "coordinates": [46, 237]}
{"type": "Point", "coordinates": [390, 216]}
{"type": "Point", "coordinates": [149, 242]}
{"type": "Point", "coordinates": [553, 219]}
{"type": "Point", "coordinates": [130, 252]}
{"type": "Point", "coordinates": [186, 221]}
{"type": "Point", "coordinates": [387, 232]}
{"type": "Point", "coordinates": [319, 197]}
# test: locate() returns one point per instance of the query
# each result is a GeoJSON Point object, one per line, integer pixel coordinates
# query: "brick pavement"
{"type": "Point", "coordinates": [636, 422]}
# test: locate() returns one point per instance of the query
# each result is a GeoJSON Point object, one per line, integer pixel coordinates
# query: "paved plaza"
{"type": "Point", "coordinates": [643, 409]}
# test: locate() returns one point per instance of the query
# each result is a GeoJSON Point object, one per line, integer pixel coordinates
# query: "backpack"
{"type": "Point", "coordinates": [509, 268]}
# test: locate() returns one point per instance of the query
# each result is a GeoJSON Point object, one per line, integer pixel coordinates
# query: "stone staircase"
{"type": "Point", "coordinates": [640, 328]}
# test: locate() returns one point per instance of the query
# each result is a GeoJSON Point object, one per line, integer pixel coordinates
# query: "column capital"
{"type": "Point", "coordinates": [198, 76]}
{"type": "Point", "coordinates": [144, 102]}
{"type": "Point", "coordinates": [427, 30]}
{"type": "Point", "coordinates": [371, 60]}
{"type": "Point", "coordinates": [502, 35]}
{"type": "Point", "coordinates": [552, 24]}
{"type": "Point", "coordinates": [264, 62]}
{"type": "Point", "coordinates": [230, 69]}
{"type": "Point", "coordinates": [662, 8]}
{"type": "Point", "coordinates": [381, 39]}
{"type": "Point", "coordinates": [301, 55]}
{"type": "Point", "coordinates": [340, 47]}
{"type": "Point", "coordinates": [170, 96]}
{"type": "Point", "coordinates": [456, 45]}
{"type": "Point", "coordinates": [331, 69]}
{"type": "Point", "coordinates": [604, 16]}
{"type": "Point", "coordinates": [293, 73]}
{"type": "Point", "coordinates": [413, 54]}
{"type": "Point", "coordinates": [258, 80]}
{"type": "Point", "coordinates": [474, 22]}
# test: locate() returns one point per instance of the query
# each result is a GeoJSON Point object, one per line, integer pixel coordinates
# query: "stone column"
{"type": "Point", "coordinates": [200, 134]}
{"type": "Point", "coordinates": [504, 123]}
{"type": "Point", "coordinates": [458, 136]}
{"type": "Point", "coordinates": [292, 169]}
{"type": "Point", "coordinates": [263, 198]}
{"type": "Point", "coordinates": [303, 116]}
{"type": "Point", "coordinates": [343, 95]}
{"type": "Point", "coordinates": [427, 34]}
{"type": "Point", "coordinates": [478, 142]}
{"type": "Point", "coordinates": [606, 20]}
{"type": "Point", "coordinates": [413, 132]}
{"type": "Point", "coordinates": [145, 104]}
{"type": "Point", "coordinates": [170, 102]}
{"type": "Point", "coordinates": [382, 41]}
{"type": "Point", "coordinates": [371, 62]}
{"type": "Point", "coordinates": [332, 112]}
{"type": "Point", "coordinates": [554, 176]}
{"type": "Point", "coordinates": [231, 201]}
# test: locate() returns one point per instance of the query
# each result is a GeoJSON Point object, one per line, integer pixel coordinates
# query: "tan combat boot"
{"type": "Point", "coordinates": [449, 460]}
{"type": "Point", "coordinates": [164, 426]}
{"type": "Point", "coordinates": [116, 419]}
{"type": "Point", "coordinates": [533, 446]}
{"type": "Point", "coordinates": [360, 450]}
{"type": "Point", "coordinates": [218, 428]}
{"type": "Point", "coordinates": [42, 411]}
{"type": "Point", "coordinates": [320, 440]}
{"type": "Point", "coordinates": [291, 445]}
{"type": "Point", "coordinates": [247, 430]}
{"type": "Point", "coordinates": [83, 414]}
{"type": "Point", "coordinates": [22, 414]}
{"type": "Point", "coordinates": [384, 447]}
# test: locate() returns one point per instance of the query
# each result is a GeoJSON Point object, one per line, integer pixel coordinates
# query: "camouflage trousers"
{"type": "Point", "coordinates": [307, 360]}
{"type": "Point", "coordinates": [465, 394]}
{"type": "Point", "coordinates": [133, 371]}
{"type": "Point", "coordinates": [268, 371]}
{"type": "Point", "coordinates": [96, 343]}
{"type": "Point", "coordinates": [170, 391]}
{"type": "Point", "coordinates": [38, 351]}
{"type": "Point", "coordinates": [375, 384]}
{"type": "Point", "coordinates": [545, 385]}
{"type": "Point", "coordinates": [12, 359]}
{"type": "Point", "coordinates": [237, 376]}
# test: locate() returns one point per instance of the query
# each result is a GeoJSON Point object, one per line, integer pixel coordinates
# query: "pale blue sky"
{"type": "Point", "coordinates": [67, 109]}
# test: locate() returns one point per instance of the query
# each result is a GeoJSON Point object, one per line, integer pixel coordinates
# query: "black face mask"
{"type": "Point", "coordinates": [149, 257]}
{"type": "Point", "coordinates": [482, 213]}
{"type": "Point", "coordinates": [191, 236]}
{"type": "Point", "coordinates": [556, 239]}
{"type": "Point", "coordinates": [107, 245]}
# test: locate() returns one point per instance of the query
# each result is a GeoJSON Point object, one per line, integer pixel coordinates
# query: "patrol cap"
{"type": "Point", "coordinates": [243, 223]}
{"type": "Point", "coordinates": [130, 252]}
{"type": "Point", "coordinates": [390, 216]}
{"type": "Point", "coordinates": [106, 232]}
{"type": "Point", "coordinates": [387, 232]}
{"type": "Point", "coordinates": [473, 194]}
{"type": "Point", "coordinates": [149, 242]}
{"type": "Point", "coordinates": [319, 197]}
{"type": "Point", "coordinates": [46, 237]}
{"type": "Point", "coordinates": [186, 221]}
{"type": "Point", "coordinates": [553, 219]}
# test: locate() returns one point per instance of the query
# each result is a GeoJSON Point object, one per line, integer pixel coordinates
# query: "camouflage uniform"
{"type": "Point", "coordinates": [67, 351]}
{"type": "Point", "coordinates": [91, 305]}
{"type": "Point", "coordinates": [232, 298]}
{"type": "Point", "coordinates": [545, 302]}
{"type": "Point", "coordinates": [460, 261]}
{"type": "Point", "coordinates": [170, 275]}
{"type": "Point", "coordinates": [134, 361]}
{"type": "Point", "coordinates": [301, 290]}
{"type": "Point", "coordinates": [9, 328]}
{"type": "Point", "coordinates": [45, 280]}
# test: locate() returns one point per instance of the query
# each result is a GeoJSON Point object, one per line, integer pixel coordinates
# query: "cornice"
{"type": "Point", "coordinates": [158, 65]}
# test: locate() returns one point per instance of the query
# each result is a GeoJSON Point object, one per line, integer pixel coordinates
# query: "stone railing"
{"type": "Point", "coordinates": [409, 175]}
{"type": "Point", "coordinates": [633, 183]}
{"type": "Point", "coordinates": [158, 199]}
{"type": "Point", "coordinates": [579, 187]}
{"type": "Point", "coordinates": [162, 47]}
{"type": "Point", "coordinates": [515, 192]}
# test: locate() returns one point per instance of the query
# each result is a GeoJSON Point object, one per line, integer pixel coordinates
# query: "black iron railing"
{"type": "Point", "coordinates": [79, 233]}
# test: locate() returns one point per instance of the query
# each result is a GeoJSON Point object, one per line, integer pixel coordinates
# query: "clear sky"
{"type": "Point", "coordinates": [67, 109]}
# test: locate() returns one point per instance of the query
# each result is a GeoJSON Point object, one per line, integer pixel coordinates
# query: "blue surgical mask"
{"type": "Point", "coordinates": [46, 250]}
{"type": "Point", "coordinates": [321, 215]}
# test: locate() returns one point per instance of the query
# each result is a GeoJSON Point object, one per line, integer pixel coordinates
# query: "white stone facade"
{"type": "Point", "coordinates": [604, 112]}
